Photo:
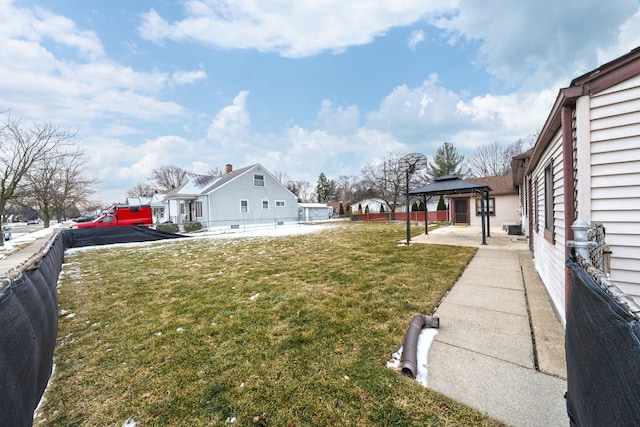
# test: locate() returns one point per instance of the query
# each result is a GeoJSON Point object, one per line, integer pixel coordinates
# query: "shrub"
{"type": "Point", "coordinates": [190, 227]}
{"type": "Point", "coordinates": [168, 227]}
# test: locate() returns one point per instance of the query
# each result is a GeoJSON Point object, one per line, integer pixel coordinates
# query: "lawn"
{"type": "Point", "coordinates": [286, 331]}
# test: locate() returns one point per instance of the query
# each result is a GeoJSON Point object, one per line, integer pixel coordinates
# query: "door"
{"type": "Point", "coordinates": [461, 214]}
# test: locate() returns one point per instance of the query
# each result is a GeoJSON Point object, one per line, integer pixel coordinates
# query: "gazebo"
{"type": "Point", "coordinates": [451, 184]}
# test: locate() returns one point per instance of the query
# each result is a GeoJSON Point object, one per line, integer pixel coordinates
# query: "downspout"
{"type": "Point", "coordinates": [569, 190]}
{"type": "Point", "coordinates": [410, 346]}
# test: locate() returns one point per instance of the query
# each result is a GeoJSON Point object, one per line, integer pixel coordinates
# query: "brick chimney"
{"type": "Point", "coordinates": [229, 169]}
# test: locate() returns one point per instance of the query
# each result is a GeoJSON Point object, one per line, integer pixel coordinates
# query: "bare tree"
{"type": "Point", "coordinates": [490, 160]}
{"type": "Point", "coordinates": [302, 190]}
{"type": "Point", "coordinates": [386, 179]}
{"type": "Point", "coordinates": [347, 187]}
{"type": "Point", "coordinates": [216, 172]}
{"type": "Point", "coordinates": [166, 178]}
{"type": "Point", "coordinates": [56, 183]}
{"type": "Point", "coordinates": [495, 159]}
{"type": "Point", "coordinates": [140, 190]}
{"type": "Point", "coordinates": [20, 148]}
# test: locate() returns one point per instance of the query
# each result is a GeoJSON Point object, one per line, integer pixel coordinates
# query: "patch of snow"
{"type": "Point", "coordinates": [130, 422]}
{"type": "Point", "coordinates": [253, 297]}
{"type": "Point", "coordinates": [425, 339]}
{"type": "Point", "coordinates": [293, 229]}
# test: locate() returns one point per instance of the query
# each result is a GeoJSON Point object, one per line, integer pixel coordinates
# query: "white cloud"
{"type": "Point", "coordinates": [231, 127]}
{"type": "Point", "coordinates": [542, 40]}
{"type": "Point", "coordinates": [290, 27]}
{"type": "Point", "coordinates": [187, 77]}
{"type": "Point", "coordinates": [338, 120]}
{"type": "Point", "coordinates": [426, 116]}
{"type": "Point", "coordinates": [417, 36]}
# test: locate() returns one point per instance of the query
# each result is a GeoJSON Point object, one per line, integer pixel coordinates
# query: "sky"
{"type": "Point", "coordinates": [303, 87]}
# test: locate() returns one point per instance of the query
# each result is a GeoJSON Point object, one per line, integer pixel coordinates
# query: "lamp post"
{"type": "Point", "coordinates": [411, 162]}
{"type": "Point", "coordinates": [410, 170]}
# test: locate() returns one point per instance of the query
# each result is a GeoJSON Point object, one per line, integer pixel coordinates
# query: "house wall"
{"type": "Point", "coordinates": [314, 213]}
{"type": "Point", "coordinates": [614, 168]}
{"type": "Point", "coordinates": [506, 211]}
{"type": "Point", "coordinates": [548, 251]}
{"type": "Point", "coordinates": [223, 203]}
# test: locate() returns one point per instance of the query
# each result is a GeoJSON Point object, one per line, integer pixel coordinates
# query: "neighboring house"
{"type": "Point", "coordinates": [502, 207]}
{"type": "Point", "coordinates": [586, 165]}
{"type": "Point", "coordinates": [314, 211]}
{"type": "Point", "coordinates": [250, 195]}
{"type": "Point", "coordinates": [372, 204]}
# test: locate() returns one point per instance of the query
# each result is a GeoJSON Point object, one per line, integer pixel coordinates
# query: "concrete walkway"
{"type": "Point", "coordinates": [500, 346]}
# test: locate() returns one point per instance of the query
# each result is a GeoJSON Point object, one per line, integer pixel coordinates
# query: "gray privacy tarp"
{"type": "Point", "coordinates": [29, 319]}
{"type": "Point", "coordinates": [603, 356]}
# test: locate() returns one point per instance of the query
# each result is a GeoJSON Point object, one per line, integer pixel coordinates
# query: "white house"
{"type": "Point", "coordinates": [308, 212]}
{"type": "Point", "coordinates": [250, 195]}
{"type": "Point", "coordinates": [586, 165]}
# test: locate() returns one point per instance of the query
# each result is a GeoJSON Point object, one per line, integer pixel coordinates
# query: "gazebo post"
{"type": "Point", "coordinates": [484, 237]}
{"type": "Point", "coordinates": [488, 215]}
{"type": "Point", "coordinates": [426, 211]}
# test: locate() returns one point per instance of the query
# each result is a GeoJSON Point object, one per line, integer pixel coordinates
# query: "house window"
{"type": "Point", "coordinates": [244, 206]}
{"type": "Point", "coordinates": [279, 203]}
{"type": "Point", "coordinates": [265, 204]}
{"type": "Point", "coordinates": [181, 208]}
{"type": "Point", "coordinates": [258, 180]}
{"type": "Point", "coordinates": [198, 208]}
{"type": "Point", "coordinates": [488, 210]}
{"type": "Point", "coordinates": [548, 202]}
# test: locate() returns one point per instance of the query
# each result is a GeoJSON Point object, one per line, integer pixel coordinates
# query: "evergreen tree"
{"type": "Point", "coordinates": [366, 209]}
{"type": "Point", "coordinates": [341, 209]}
{"type": "Point", "coordinates": [447, 161]}
{"type": "Point", "coordinates": [441, 204]}
{"type": "Point", "coordinates": [414, 207]}
{"type": "Point", "coordinates": [325, 188]}
{"type": "Point", "coordinates": [421, 206]}
{"type": "Point", "coordinates": [359, 208]}
{"type": "Point", "coordinates": [381, 207]}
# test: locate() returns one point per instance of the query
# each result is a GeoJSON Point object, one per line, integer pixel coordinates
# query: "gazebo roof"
{"type": "Point", "coordinates": [450, 184]}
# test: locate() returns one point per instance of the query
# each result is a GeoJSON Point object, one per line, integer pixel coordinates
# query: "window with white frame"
{"type": "Point", "coordinates": [279, 203]}
{"type": "Point", "coordinates": [265, 204]}
{"type": "Point", "coordinates": [182, 208]}
{"type": "Point", "coordinates": [258, 180]}
{"type": "Point", "coordinates": [244, 206]}
{"type": "Point", "coordinates": [489, 209]}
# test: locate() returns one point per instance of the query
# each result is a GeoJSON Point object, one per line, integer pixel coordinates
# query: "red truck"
{"type": "Point", "coordinates": [121, 215]}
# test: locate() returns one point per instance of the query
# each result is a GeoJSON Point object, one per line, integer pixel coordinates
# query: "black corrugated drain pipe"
{"type": "Point", "coordinates": [410, 346]}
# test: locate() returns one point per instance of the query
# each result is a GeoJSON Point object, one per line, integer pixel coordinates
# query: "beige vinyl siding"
{"type": "Point", "coordinates": [615, 182]}
{"type": "Point", "coordinates": [549, 256]}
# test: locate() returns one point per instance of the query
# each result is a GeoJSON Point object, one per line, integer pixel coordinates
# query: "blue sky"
{"type": "Point", "coordinates": [301, 86]}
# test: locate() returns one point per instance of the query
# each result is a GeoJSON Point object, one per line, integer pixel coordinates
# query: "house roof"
{"type": "Point", "coordinates": [500, 185]}
{"type": "Point", "coordinates": [228, 177]}
{"type": "Point", "coordinates": [450, 184]}
{"type": "Point", "coordinates": [591, 83]}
